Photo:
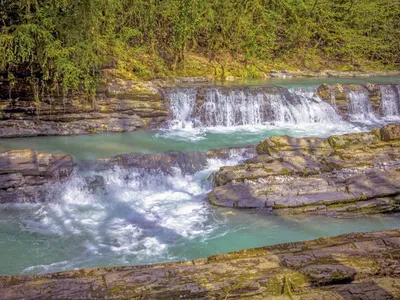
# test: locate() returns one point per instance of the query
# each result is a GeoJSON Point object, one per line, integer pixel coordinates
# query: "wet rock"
{"type": "Point", "coordinates": [329, 274]}
{"type": "Point", "coordinates": [95, 182]}
{"type": "Point", "coordinates": [10, 181]}
{"type": "Point", "coordinates": [24, 174]}
{"type": "Point", "coordinates": [351, 266]}
{"type": "Point", "coordinates": [187, 162]}
{"type": "Point", "coordinates": [349, 174]}
{"type": "Point", "coordinates": [285, 145]}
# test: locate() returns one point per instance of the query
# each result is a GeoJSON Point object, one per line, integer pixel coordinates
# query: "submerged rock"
{"type": "Point", "coordinates": [24, 174]}
{"type": "Point", "coordinates": [186, 162]}
{"type": "Point", "coordinates": [355, 174]}
{"type": "Point", "coordinates": [351, 266]}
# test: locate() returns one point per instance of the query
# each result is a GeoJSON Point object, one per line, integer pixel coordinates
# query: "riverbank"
{"type": "Point", "coordinates": [351, 266]}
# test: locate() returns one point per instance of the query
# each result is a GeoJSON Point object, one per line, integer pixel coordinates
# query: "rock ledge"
{"type": "Point", "coordinates": [353, 174]}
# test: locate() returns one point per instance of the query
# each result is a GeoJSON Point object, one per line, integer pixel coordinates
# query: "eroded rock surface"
{"type": "Point", "coordinates": [24, 174]}
{"type": "Point", "coordinates": [355, 173]}
{"type": "Point", "coordinates": [351, 266]}
{"type": "Point", "coordinates": [118, 106]}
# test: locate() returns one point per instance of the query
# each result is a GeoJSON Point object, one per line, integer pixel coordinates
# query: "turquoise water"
{"type": "Point", "coordinates": [145, 217]}
{"type": "Point", "coordinates": [49, 240]}
{"type": "Point", "coordinates": [105, 145]}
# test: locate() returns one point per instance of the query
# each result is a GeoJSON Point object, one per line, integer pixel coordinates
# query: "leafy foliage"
{"type": "Point", "coordinates": [65, 43]}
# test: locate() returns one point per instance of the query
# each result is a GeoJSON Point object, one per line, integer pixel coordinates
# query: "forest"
{"type": "Point", "coordinates": [66, 43]}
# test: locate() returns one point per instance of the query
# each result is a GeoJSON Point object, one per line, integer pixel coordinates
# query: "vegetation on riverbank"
{"type": "Point", "coordinates": [65, 44]}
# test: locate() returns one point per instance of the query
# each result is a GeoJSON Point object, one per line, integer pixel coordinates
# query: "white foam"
{"type": "Point", "coordinates": [137, 219]}
{"type": "Point", "coordinates": [45, 268]}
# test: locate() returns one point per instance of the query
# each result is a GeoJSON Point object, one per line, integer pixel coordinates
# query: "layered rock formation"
{"type": "Point", "coordinates": [353, 174]}
{"type": "Point", "coordinates": [119, 105]}
{"type": "Point", "coordinates": [352, 266]}
{"type": "Point", "coordinates": [126, 105]}
{"type": "Point", "coordinates": [25, 174]}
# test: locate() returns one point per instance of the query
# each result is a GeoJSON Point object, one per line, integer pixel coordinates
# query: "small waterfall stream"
{"type": "Point", "coordinates": [301, 106]}
{"type": "Point", "coordinates": [234, 108]}
{"type": "Point", "coordinates": [360, 109]}
{"type": "Point", "coordinates": [391, 101]}
{"type": "Point", "coordinates": [183, 102]}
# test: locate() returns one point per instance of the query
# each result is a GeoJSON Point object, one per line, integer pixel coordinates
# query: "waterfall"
{"type": "Point", "coordinates": [390, 101]}
{"type": "Point", "coordinates": [232, 109]}
{"type": "Point", "coordinates": [222, 107]}
{"type": "Point", "coordinates": [182, 104]}
{"type": "Point", "coordinates": [360, 109]}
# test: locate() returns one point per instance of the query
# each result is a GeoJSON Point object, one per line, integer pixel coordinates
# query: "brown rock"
{"type": "Point", "coordinates": [351, 266]}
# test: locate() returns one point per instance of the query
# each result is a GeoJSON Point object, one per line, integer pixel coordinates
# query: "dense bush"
{"type": "Point", "coordinates": [64, 43]}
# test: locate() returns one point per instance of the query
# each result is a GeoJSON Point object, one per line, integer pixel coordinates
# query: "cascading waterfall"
{"type": "Point", "coordinates": [231, 107]}
{"type": "Point", "coordinates": [137, 216]}
{"type": "Point", "coordinates": [249, 106]}
{"type": "Point", "coordinates": [390, 101]}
